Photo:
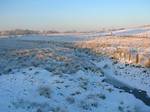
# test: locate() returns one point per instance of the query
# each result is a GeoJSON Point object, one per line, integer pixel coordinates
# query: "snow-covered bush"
{"type": "Point", "coordinates": [45, 91]}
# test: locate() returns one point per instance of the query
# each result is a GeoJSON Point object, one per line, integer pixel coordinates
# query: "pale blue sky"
{"type": "Point", "coordinates": [73, 14]}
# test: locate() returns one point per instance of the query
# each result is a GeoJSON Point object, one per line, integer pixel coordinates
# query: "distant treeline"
{"type": "Point", "coordinates": [25, 32]}
{"type": "Point", "coordinates": [18, 32]}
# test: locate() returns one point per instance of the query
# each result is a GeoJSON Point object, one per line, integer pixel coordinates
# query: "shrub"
{"type": "Point", "coordinates": [45, 91]}
{"type": "Point", "coordinates": [70, 100]}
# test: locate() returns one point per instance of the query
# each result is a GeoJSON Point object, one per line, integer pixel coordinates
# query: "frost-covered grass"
{"type": "Point", "coordinates": [39, 76]}
{"type": "Point", "coordinates": [127, 49]}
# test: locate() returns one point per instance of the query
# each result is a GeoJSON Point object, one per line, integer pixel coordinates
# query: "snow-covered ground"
{"type": "Point", "coordinates": [132, 76]}
{"type": "Point", "coordinates": [37, 90]}
{"type": "Point", "coordinates": [130, 32]}
{"type": "Point", "coordinates": [138, 31]}
{"type": "Point", "coordinates": [48, 76]}
{"type": "Point", "coordinates": [134, 31]}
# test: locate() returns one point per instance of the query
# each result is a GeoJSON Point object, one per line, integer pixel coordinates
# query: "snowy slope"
{"type": "Point", "coordinates": [129, 32]}
{"type": "Point", "coordinates": [37, 90]}
{"type": "Point", "coordinates": [132, 31]}
{"type": "Point", "coordinates": [134, 77]}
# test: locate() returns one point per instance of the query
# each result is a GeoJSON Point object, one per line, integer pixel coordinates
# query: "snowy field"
{"type": "Point", "coordinates": [136, 31]}
{"type": "Point", "coordinates": [130, 32]}
{"type": "Point", "coordinates": [54, 75]}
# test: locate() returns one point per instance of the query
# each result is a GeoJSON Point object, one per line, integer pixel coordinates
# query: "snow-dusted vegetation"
{"type": "Point", "coordinates": [62, 76]}
{"type": "Point", "coordinates": [135, 50]}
